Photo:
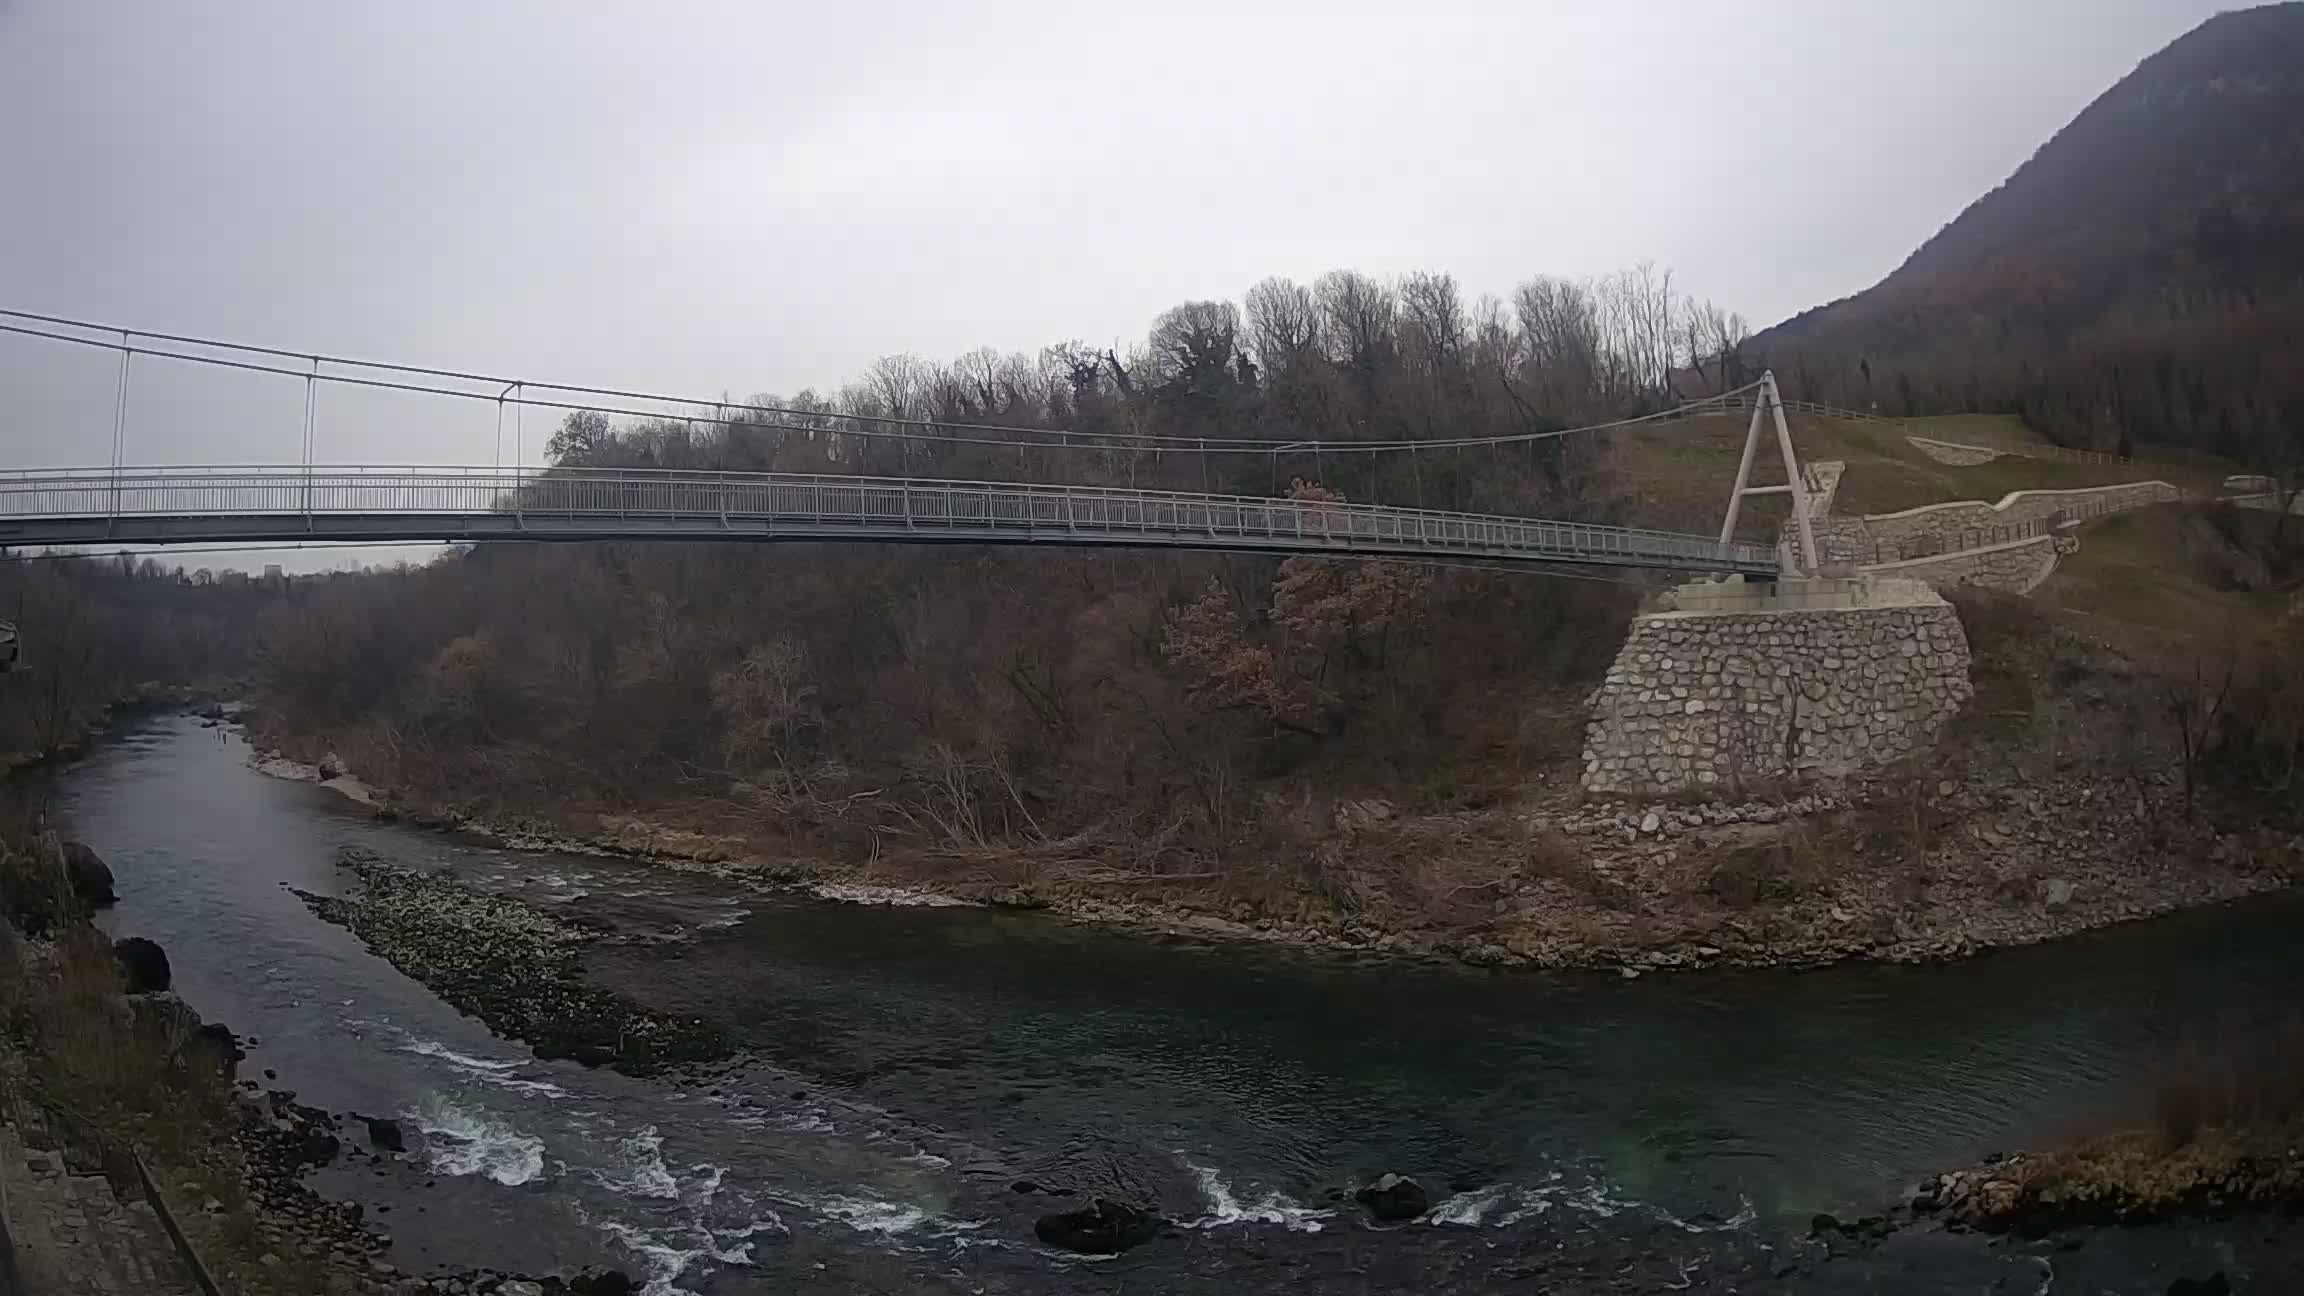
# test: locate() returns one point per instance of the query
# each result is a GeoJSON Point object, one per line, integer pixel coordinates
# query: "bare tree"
{"type": "Point", "coordinates": [1194, 343]}
{"type": "Point", "coordinates": [1560, 322]}
{"type": "Point", "coordinates": [1432, 322]}
{"type": "Point", "coordinates": [1356, 320]}
{"type": "Point", "coordinates": [1283, 325]}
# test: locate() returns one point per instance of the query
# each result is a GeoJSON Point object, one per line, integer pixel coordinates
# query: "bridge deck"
{"type": "Point", "coordinates": [285, 504]}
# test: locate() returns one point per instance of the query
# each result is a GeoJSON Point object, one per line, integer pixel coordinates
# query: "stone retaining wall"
{"type": "Point", "coordinates": [1844, 540]}
{"type": "Point", "coordinates": [2017, 567]}
{"type": "Point", "coordinates": [1948, 525]}
{"type": "Point", "coordinates": [1713, 700]}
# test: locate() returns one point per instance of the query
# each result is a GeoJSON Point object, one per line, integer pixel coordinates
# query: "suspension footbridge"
{"type": "Point", "coordinates": [311, 501]}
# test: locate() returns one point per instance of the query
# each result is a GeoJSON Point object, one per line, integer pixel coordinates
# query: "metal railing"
{"type": "Point", "coordinates": [373, 502]}
{"type": "Point", "coordinates": [72, 1127]}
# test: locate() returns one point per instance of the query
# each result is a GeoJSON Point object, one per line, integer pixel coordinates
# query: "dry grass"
{"type": "Point", "coordinates": [2135, 1176]}
{"type": "Point", "coordinates": [2228, 1122]}
{"type": "Point", "coordinates": [36, 894]}
{"type": "Point", "coordinates": [2009, 640]}
{"type": "Point", "coordinates": [2135, 580]}
{"type": "Point", "coordinates": [1678, 474]}
{"type": "Point", "coordinates": [1976, 429]}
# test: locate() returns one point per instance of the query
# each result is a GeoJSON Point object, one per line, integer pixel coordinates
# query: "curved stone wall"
{"type": "Point", "coordinates": [2017, 567]}
{"type": "Point", "coordinates": [1947, 525]}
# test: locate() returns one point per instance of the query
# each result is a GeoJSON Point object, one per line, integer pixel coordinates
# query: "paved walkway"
{"type": "Point", "coordinates": [74, 1237]}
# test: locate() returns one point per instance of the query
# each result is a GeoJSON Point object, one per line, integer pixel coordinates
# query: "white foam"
{"type": "Point", "coordinates": [1497, 1205]}
{"type": "Point", "coordinates": [661, 1263]}
{"type": "Point", "coordinates": [458, 1141]}
{"type": "Point", "coordinates": [698, 1194]}
{"type": "Point", "coordinates": [1503, 1205]}
{"type": "Point", "coordinates": [734, 1246]}
{"type": "Point", "coordinates": [1270, 1207]}
{"type": "Point", "coordinates": [925, 1158]}
{"type": "Point", "coordinates": [1469, 1209]}
{"type": "Point", "coordinates": [900, 897]}
{"type": "Point", "coordinates": [869, 1215]}
{"type": "Point", "coordinates": [666, 1253]}
{"type": "Point", "coordinates": [642, 1172]}
{"type": "Point", "coordinates": [432, 1049]}
{"type": "Point", "coordinates": [494, 1071]}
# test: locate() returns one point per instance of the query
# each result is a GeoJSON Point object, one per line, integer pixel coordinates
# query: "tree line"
{"type": "Point", "coordinates": [1348, 359]}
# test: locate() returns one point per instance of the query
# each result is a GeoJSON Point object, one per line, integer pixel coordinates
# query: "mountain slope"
{"type": "Point", "coordinates": [2140, 278]}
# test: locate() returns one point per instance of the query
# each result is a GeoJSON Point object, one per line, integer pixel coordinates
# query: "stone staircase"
{"type": "Point", "coordinates": [73, 1236]}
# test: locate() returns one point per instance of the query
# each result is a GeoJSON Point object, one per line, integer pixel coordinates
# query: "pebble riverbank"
{"type": "Point", "coordinates": [509, 965]}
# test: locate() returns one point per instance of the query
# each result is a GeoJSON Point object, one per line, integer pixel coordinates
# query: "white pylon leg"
{"type": "Point", "coordinates": [1810, 559]}
{"type": "Point", "coordinates": [1767, 403]}
{"type": "Point", "coordinates": [1737, 492]}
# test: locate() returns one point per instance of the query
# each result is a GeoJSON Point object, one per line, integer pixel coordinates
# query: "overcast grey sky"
{"type": "Point", "coordinates": [749, 197]}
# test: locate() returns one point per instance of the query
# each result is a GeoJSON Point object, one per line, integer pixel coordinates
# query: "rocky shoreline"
{"type": "Point", "coordinates": [282, 1141]}
{"type": "Point", "coordinates": [1620, 886]}
{"type": "Point", "coordinates": [510, 966]}
{"type": "Point", "coordinates": [231, 1158]}
{"type": "Point", "coordinates": [2128, 1178]}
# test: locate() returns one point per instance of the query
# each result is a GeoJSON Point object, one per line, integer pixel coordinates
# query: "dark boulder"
{"type": "Point", "coordinates": [175, 1028]}
{"type": "Point", "coordinates": [217, 1041]}
{"type": "Point", "coordinates": [385, 1133]}
{"type": "Point", "coordinates": [1394, 1198]}
{"type": "Point", "coordinates": [601, 1282]}
{"type": "Point", "coordinates": [1102, 1227]}
{"type": "Point", "coordinates": [91, 879]}
{"type": "Point", "coordinates": [143, 965]}
{"type": "Point", "coordinates": [2215, 1284]}
{"type": "Point", "coordinates": [1869, 1226]}
{"type": "Point", "coordinates": [315, 1146]}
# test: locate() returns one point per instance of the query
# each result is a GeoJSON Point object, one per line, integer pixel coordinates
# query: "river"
{"type": "Point", "coordinates": [902, 1069]}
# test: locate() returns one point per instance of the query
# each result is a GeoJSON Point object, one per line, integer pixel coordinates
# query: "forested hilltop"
{"type": "Point", "coordinates": [2139, 280]}
{"type": "Point", "coordinates": [1149, 713]}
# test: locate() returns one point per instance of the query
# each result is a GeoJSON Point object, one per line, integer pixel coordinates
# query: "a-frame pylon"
{"type": "Point", "coordinates": [1767, 403]}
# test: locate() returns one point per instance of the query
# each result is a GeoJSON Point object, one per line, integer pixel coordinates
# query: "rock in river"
{"type": "Point", "coordinates": [385, 1133]}
{"type": "Point", "coordinates": [601, 1282]}
{"type": "Point", "coordinates": [143, 965]}
{"type": "Point", "coordinates": [90, 878]}
{"type": "Point", "coordinates": [1102, 1227]}
{"type": "Point", "coordinates": [1394, 1198]}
